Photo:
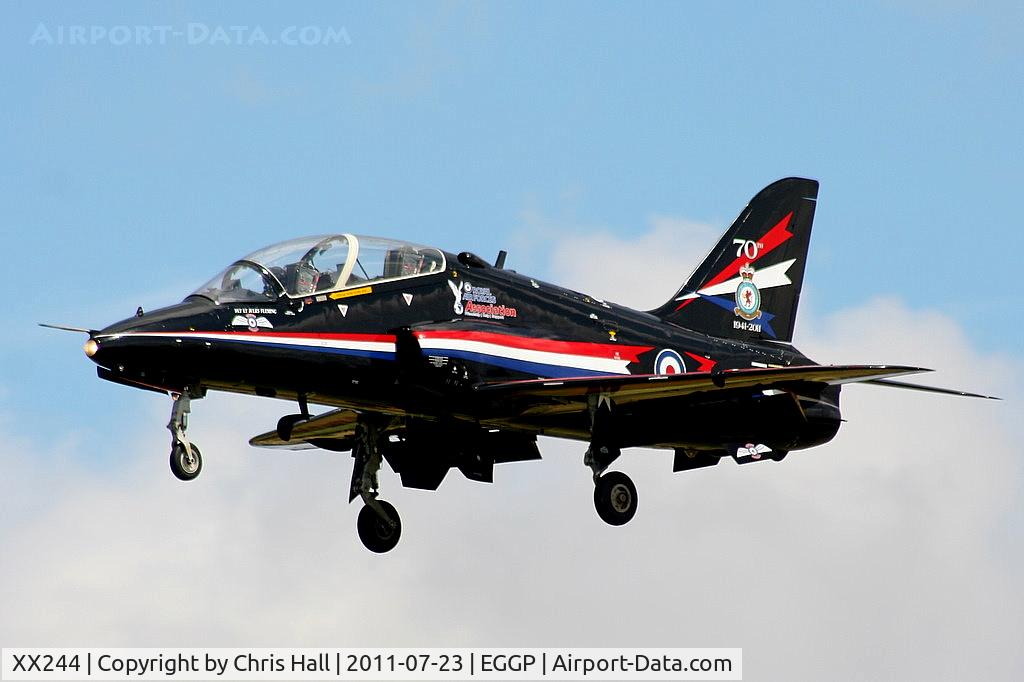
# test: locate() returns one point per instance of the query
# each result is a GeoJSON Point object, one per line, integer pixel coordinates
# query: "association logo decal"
{"type": "Point", "coordinates": [457, 293]}
{"type": "Point", "coordinates": [252, 322]}
{"type": "Point", "coordinates": [752, 451]}
{"type": "Point", "coordinates": [669, 362]}
{"type": "Point", "coordinates": [748, 298]}
{"type": "Point", "coordinates": [479, 302]}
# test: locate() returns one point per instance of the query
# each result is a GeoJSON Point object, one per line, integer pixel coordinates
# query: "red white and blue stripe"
{"type": "Point", "coordinates": [540, 357]}
{"type": "Point", "coordinates": [377, 346]}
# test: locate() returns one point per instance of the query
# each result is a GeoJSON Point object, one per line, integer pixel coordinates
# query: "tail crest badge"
{"type": "Point", "coordinates": [748, 298]}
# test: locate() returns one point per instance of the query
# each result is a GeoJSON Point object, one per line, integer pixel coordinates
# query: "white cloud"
{"type": "Point", "coordinates": [641, 272]}
{"type": "Point", "coordinates": [892, 552]}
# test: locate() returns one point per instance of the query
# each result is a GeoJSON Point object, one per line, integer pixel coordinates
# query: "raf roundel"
{"type": "Point", "coordinates": [669, 362]}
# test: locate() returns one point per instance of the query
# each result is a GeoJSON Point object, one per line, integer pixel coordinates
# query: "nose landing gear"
{"type": "Point", "coordinates": [186, 460]}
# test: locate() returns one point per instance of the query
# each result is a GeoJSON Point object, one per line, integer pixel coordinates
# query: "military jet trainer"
{"type": "Point", "coordinates": [435, 360]}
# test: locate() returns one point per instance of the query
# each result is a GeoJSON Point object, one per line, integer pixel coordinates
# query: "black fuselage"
{"type": "Point", "coordinates": [414, 347]}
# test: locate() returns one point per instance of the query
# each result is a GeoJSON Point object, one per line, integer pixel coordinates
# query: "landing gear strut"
{"type": "Point", "coordinates": [378, 524]}
{"type": "Point", "coordinates": [615, 495]}
{"type": "Point", "coordinates": [186, 460]}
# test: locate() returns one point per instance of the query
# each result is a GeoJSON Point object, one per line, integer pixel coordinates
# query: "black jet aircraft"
{"type": "Point", "coordinates": [434, 360]}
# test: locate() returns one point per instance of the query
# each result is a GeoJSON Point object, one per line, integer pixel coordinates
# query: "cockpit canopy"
{"type": "Point", "coordinates": [316, 265]}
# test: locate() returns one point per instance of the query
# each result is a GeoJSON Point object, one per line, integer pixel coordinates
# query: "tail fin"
{"type": "Point", "coordinates": [748, 287]}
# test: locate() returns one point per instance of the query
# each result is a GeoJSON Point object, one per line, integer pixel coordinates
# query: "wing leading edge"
{"type": "Point", "coordinates": [564, 395]}
{"type": "Point", "coordinates": [548, 396]}
{"type": "Point", "coordinates": [337, 425]}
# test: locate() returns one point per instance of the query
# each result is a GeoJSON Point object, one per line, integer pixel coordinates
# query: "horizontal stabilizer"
{"type": "Point", "coordinates": [929, 389]}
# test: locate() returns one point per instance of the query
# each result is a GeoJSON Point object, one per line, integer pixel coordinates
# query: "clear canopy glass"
{"type": "Point", "coordinates": [314, 265]}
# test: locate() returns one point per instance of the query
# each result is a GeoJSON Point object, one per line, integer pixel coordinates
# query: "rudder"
{"type": "Point", "coordinates": [748, 287]}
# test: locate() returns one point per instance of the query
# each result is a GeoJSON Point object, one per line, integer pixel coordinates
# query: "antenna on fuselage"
{"type": "Point", "coordinates": [500, 262]}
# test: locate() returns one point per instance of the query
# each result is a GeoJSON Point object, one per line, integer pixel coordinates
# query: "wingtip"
{"type": "Point", "coordinates": [965, 394]}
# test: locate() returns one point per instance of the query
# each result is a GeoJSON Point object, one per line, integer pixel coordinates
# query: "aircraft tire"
{"type": "Point", "coordinates": [182, 468]}
{"type": "Point", "coordinates": [615, 498]}
{"type": "Point", "coordinates": [375, 534]}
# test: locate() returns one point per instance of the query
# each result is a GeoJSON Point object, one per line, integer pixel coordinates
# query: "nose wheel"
{"type": "Point", "coordinates": [615, 498]}
{"type": "Point", "coordinates": [186, 460]}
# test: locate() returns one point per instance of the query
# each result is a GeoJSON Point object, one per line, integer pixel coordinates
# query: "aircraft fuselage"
{"type": "Point", "coordinates": [467, 324]}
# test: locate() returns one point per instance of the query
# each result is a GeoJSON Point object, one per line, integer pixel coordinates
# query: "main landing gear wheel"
{"type": "Point", "coordinates": [615, 498]}
{"type": "Point", "coordinates": [185, 465]}
{"type": "Point", "coordinates": [379, 534]}
{"type": "Point", "coordinates": [378, 524]}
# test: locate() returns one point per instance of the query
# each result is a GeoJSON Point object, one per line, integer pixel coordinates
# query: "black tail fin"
{"type": "Point", "coordinates": [748, 287]}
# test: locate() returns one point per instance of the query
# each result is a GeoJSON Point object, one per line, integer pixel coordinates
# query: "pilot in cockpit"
{"type": "Point", "coordinates": [326, 281]}
{"type": "Point", "coordinates": [406, 261]}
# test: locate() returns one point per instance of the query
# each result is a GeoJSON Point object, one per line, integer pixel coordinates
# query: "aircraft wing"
{"type": "Point", "coordinates": [335, 430]}
{"type": "Point", "coordinates": [549, 396]}
{"type": "Point", "coordinates": [337, 426]}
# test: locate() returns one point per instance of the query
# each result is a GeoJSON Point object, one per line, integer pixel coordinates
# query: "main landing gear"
{"type": "Point", "coordinates": [186, 460]}
{"type": "Point", "coordinates": [615, 498]}
{"type": "Point", "coordinates": [614, 492]}
{"type": "Point", "coordinates": [378, 524]}
{"type": "Point", "coordinates": [615, 495]}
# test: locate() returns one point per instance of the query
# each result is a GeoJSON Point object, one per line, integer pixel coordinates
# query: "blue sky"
{"type": "Point", "coordinates": [131, 174]}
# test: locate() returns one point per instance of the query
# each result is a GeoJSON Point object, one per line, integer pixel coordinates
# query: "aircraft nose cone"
{"type": "Point", "coordinates": [118, 346]}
